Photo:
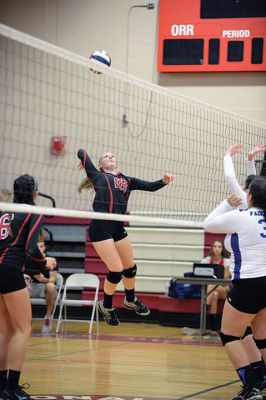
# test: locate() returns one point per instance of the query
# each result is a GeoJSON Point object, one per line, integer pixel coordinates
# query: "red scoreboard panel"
{"type": "Point", "coordinates": [212, 35]}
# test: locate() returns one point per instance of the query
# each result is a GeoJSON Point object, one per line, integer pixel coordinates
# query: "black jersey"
{"type": "Point", "coordinates": [112, 191]}
{"type": "Point", "coordinates": [19, 235]}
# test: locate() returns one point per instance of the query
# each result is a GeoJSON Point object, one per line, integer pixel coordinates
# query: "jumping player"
{"type": "Point", "coordinates": [19, 234]}
{"type": "Point", "coordinates": [109, 238]}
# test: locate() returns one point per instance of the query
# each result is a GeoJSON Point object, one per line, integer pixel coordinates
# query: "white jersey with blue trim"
{"type": "Point", "coordinates": [245, 239]}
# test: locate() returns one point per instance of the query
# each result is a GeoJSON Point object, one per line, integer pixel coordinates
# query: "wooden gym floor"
{"type": "Point", "coordinates": [136, 361]}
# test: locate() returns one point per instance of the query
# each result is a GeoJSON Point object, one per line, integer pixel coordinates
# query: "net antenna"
{"type": "Point", "coordinates": [47, 92]}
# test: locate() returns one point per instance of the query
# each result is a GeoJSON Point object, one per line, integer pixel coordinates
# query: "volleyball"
{"type": "Point", "coordinates": [101, 56]}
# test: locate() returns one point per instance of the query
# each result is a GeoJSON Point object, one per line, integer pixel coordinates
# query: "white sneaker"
{"type": "Point", "coordinates": [47, 325]}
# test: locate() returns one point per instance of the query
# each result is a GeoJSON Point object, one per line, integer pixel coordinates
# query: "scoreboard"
{"type": "Point", "coordinates": [212, 35]}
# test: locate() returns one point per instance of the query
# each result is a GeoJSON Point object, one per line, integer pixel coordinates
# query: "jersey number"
{"type": "Point", "coordinates": [4, 226]}
{"type": "Point", "coordinates": [261, 221]}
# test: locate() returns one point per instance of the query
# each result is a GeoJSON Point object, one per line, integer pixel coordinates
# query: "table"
{"type": "Point", "coordinates": [204, 282]}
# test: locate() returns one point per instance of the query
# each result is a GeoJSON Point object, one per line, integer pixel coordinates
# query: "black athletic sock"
{"type": "Point", "coordinates": [3, 379]}
{"type": "Point", "coordinates": [13, 379]}
{"type": "Point", "coordinates": [246, 375]}
{"type": "Point", "coordinates": [108, 300]}
{"type": "Point", "coordinates": [264, 368]}
{"type": "Point", "coordinates": [130, 295]}
{"type": "Point", "coordinates": [258, 370]}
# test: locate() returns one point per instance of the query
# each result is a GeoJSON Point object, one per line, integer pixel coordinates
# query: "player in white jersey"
{"type": "Point", "coordinates": [246, 303]}
{"type": "Point", "coordinates": [230, 177]}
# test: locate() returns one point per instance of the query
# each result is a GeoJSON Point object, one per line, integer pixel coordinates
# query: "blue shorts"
{"type": "Point", "coordinates": [102, 230]}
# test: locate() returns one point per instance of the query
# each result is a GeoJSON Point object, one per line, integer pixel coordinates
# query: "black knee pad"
{"type": "Point", "coordinates": [227, 338]}
{"type": "Point", "coordinates": [114, 277]}
{"type": "Point", "coordinates": [248, 331]}
{"type": "Point", "coordinates": [260, 343]}
{"type": "Point", "coordinates": [130, 272]}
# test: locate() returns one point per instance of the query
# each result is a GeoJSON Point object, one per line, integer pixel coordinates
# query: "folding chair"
{"type": "Point", "coordinates": [78, 282]}
{"type": "Point", "coordinates": [41, 301]}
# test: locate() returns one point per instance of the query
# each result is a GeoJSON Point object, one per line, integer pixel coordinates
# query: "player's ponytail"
{"type": "Point", "coordinates": [248, 181]}
{"type": "Point", "coordinates": [86, 184]}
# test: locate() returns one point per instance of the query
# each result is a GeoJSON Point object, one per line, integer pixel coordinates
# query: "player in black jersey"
{"type": "Point", "coordinates": [109, 238]}
{"type": "Point", "coordinates": [19, 233]}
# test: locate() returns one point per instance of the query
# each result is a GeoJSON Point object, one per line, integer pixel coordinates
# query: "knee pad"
{"type": "Point", "coordinates": [114, 277]}
{"type": "Point", "coordinates": [248, 332]}
{"type": "Point", "coordinates": [130, 272]}
{"type": "Point", "coordinates": [227, 338]}
{"type": "Point", "coordinates": [260, 343]}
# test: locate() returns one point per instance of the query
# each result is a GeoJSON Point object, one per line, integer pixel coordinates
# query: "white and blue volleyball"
{"type": "Point", "coordinates": [101, 56]}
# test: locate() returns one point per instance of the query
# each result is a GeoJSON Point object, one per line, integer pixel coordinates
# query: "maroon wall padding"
{"type": "Point", "coordinates": [172, 305]}
{"type": "Point", "coordinates": [90, 251]}
{"type": "Point", "coordinates": [186, 306]}
{"type": "Point", "coordinates": [87, 235]}
{"type": "Point", "coordinates": [95, 266]}
{"type": "Point", "coordinates": [66, 221]}
{"type": "Point", "coordinates": [209, 238]}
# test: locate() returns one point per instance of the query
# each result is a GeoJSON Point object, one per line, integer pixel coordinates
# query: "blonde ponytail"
{"type": "Point", "coordinates": [86, 184]}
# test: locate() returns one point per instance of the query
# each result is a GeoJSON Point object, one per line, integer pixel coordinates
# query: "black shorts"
{"type": "Point", "coordinates": [11, 279]}
{"type": "Point", "coordinates": [248, 295]}
{"type": "Point", "coordinates": [102, 230]}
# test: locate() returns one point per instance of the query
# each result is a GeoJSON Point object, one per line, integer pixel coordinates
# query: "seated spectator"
{"type": "Point", "coordinates": [217, 255]}
{"type": "Point", "coordinates": [44, 286]}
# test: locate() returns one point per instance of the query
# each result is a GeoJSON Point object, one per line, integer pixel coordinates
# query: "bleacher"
{"type": "Point", "coordinates": [68, 243]}
{"type": "Point", "coordinates": [160, 254]}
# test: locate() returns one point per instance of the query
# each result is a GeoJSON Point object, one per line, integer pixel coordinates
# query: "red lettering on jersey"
{"type": "Point", "coordinates": [120, 184]}
{"type": "Point", "coordinates": [4, 226]}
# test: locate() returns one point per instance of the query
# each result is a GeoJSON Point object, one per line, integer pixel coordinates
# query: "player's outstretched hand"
{"type": "Point", "coordinates": [167, 178]}
{"type": "Point", "coordinates": [236, 148]}
{"type": "Point", "coordinates": [257, 149]}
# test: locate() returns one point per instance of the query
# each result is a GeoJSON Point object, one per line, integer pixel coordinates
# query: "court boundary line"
{"type": "Point", "coordinates": [208, 390]}
{"type": "Point", "coordinates": [130, 338]}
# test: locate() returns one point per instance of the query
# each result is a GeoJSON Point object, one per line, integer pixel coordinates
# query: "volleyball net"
{"type": "Point", "coordinates": [52, 103]}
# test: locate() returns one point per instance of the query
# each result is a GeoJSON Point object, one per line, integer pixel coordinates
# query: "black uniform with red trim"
{"type": "Point", "coordinates": [19, 235]}
{"type": "Point", "coordinates": [111, 196]}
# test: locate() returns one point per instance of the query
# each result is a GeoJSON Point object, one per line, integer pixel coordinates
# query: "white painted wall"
{"type": "Point", "coordinates": [82, 26]}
